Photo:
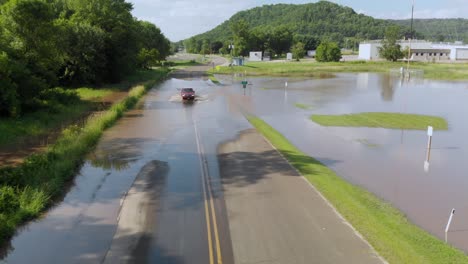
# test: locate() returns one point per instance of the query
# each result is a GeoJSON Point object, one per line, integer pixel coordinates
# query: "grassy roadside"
{"type": "Point", "coordinates": [68, 106]}
{"type": "Point", "coordinates": [436, 71]}
{"type": "Point", "coordinates": [382, 120]}
{"type": "Point", "coordinates": [386, 229]}
{"type": "Point", "coordinates": [27, 190]}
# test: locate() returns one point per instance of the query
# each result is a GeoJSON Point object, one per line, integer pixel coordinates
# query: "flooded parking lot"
{"type": "Point", "coordinates": [387, 162]}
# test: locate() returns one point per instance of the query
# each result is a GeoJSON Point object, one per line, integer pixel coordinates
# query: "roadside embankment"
{"type": "Point", "coordinates": [384, 227]}
{"type": "Point", "coordinates": [28, 189]}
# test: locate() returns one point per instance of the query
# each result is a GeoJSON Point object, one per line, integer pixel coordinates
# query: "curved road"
{"type": "Point", "coordinates": [178, 182]}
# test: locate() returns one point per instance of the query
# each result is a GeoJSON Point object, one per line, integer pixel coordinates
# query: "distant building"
{"type": "Point", "coordinates": [255, 56]}
{"type": "Point", "coordinates": [420, 51]}
{"type": "Point", "coordinates": [237, 61]}
{"type": "Point", "coordinates": [311, 53]}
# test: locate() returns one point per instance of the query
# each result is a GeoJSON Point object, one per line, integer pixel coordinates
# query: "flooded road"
{"type": "Point", "coordinates": [389, 163]}
{"type": "Point", "coordinates": [144, 195]}
{"type": "Point", "coordinates": [160, 139]}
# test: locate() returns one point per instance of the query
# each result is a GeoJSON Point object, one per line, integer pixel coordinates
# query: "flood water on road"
{"type": "Point", "coordinates": [80, 229]}
{"type": "Point", "coordinates": [389, 163]}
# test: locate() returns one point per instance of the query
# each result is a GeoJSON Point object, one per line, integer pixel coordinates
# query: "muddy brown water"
{"type": "Point", "coordinates": [388, 162]}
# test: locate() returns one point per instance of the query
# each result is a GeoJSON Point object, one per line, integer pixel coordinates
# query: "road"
{"type": "Point", "coordinates": [176, 182]}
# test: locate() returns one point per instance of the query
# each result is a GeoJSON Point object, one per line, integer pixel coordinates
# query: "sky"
{"type": "Point", "coordinates": [181, 19]}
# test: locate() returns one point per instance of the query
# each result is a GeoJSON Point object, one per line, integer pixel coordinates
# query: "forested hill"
{"type": "Point", "coordinates": [447, 30]}
{"type": "Point", "coordinates": [323, 20]}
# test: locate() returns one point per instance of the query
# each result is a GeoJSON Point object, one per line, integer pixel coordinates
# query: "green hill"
{"type": "Point", "coordinates": [321, 20]}
{"type": "Point", "coordinates": [447, 30]}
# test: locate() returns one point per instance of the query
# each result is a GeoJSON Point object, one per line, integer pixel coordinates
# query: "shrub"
{"type": "Point", "coordinates": [327, 52]}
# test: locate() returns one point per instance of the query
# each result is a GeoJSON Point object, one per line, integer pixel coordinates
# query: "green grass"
{"type": "Point", "coordinates": [382, 120]}
{"type": "Point", "coordinates": [28, 189]}
{"type": "Point", "coordinates": [367, 143]}
{"type": "Point", "coordinates": [384, 227]}
{"type": "Point", "coordinates": [439, 71]}
{"type": "Point", "coordinates": [42, 121]}
{"type": "Point", "coordinates": [213, 78]}
{"type": "Point", "coordinates": [90, 94]}
{"type": "Point", "coordinates": [302, 106]}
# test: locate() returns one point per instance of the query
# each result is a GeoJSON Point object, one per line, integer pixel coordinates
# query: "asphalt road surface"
{"type": "Point", "coordinates": [177, 182]}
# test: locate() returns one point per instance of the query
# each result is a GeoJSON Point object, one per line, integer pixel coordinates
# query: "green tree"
{"type": "Point", "coordinates": [390, 49]}
{"type": "Point", "coordinates": [298, 51]}
{"type": "Point", "coordinates": [240, 34]}
{"type": "Point", "coordinates": [327, 52]}
{"type": "Point", "coordinates": [205, 48]}
{"type": "Point", "coordinates": [280, 40]}
{"type": "Point", "coordinates": [148, 58]}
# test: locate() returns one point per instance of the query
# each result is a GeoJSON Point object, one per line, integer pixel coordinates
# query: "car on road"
{"type": "Point", "coordinates": [187, 94]}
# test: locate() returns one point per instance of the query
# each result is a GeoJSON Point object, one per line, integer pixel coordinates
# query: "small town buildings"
{"type": "Point", "coordinates": [420, 51]}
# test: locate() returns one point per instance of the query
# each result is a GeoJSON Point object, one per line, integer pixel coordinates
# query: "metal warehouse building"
{"type": "Point", "coordinates": [420, 51]}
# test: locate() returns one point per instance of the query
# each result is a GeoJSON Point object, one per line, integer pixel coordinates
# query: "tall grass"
{"type": "Point", "coordinates": [27, 190]}
{"type": "Point", "coordinates": [385, 228]}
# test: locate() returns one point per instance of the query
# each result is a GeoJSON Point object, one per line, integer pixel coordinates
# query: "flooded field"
{"type": "Point", "coordinates": [389, 163]}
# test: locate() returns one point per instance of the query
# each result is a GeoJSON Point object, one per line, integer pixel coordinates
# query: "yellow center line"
{"type": "Point", "coordinates": [207, 213]}
{"type": "Point", "coordinates": [208, 226]}
{"type": "Point", "coordinates": [215, 225]}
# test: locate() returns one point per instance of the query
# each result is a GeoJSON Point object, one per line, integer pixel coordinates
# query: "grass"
{"type": "Point", "coordinates": [27, 190]}
{"type": "Point", "coordinates": [302, 106]}
{"type": "Point", "coordinates": [42, 121]}
{"type": "Point", "coordinates": [90, 94]}
{"type": "Point", "coordinates": [384, 227]}
{"type": "Point", "coordinates": [382, 120]}
{"type": "Point", "coordinates": [367, 143]}
{"type": "Point", "coordinates": [438, 71]}
{"type": "Point", "coordinates": [213, 78]}
{"type": "Point", "coordinates": [39, 122]}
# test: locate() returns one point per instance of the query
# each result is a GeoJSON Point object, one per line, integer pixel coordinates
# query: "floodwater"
{"type": "Point", "coordinates": [389, 163]}
{"type": "Point", "coordinates": [162, 130]}
{"type": "Point", "coordinates": [81, 228]}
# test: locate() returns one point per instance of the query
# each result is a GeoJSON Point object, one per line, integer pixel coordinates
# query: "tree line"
{"type": "Point", "coordinates": [46, 43]}
{"type": "Point", "coordinates": [277, 28]}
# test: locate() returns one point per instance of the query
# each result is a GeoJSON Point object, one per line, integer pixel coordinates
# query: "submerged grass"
{"type": "Point", "coordinates": [302, 106]}
{"type": "Point", "coordinates": [27, 190]}
{"type": "Point", "coordinates": [439, 71]}
{"type": "Point", "coordinates": [213, 78]}
{"type": "Point", "coordinates": [382, 120]}
{"type": "Point", "coordinates": [384, 227]}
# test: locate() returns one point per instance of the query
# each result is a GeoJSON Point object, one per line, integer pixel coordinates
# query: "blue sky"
{"type": "Point", "coordinates": [180, 19]}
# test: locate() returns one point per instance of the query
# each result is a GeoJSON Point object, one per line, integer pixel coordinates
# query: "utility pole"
{"type": "Point", "coordinates": [410, 38]}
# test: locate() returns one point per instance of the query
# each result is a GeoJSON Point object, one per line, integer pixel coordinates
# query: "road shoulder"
{"type": "Point", "coordinates": [275, 216]}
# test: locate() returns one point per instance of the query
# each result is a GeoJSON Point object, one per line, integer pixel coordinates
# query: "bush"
{"type": "Point", "coordinates": [327, 52]}
{"type": "Point", "coordinates": [8, 200]}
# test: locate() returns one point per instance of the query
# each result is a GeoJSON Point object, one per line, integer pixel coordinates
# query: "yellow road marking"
{"type": "Point", "coordinates": [205, 192]}
{"type": "Point", "coordinates": [208, 226]}
{"type": "Point", "coordinates": [215, 225]}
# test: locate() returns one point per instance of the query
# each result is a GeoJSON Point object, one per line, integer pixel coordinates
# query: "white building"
{"type": "Point", "coordinates": [255, 56]}
{"type": "Point", "coordinates": [420, 50]}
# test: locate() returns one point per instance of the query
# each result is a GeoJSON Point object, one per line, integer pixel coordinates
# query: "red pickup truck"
{"type": "Point", "coordinates": [187, 94]}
